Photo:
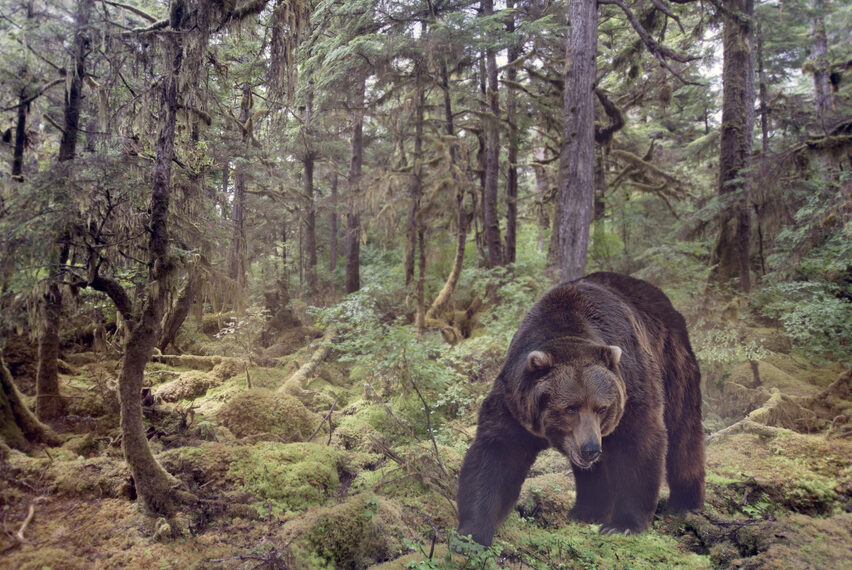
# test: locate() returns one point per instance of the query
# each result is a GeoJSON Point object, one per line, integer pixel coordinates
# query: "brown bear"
{"type": "Point", "coordinates": [602, 370]}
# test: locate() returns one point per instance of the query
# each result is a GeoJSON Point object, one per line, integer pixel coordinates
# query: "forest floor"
{"type": "Point", "coordinates": [333, 476]}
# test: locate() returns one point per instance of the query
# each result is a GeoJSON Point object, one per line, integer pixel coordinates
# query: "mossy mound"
{"type": "Point", "coordinates": [187, 386]}
{"type": "Point", "coordinates": [359, 427]}
{"type": "Point", "coordinates": [294, 476]}
{"type": "Point", "coordinates": [755, 475]}
{"type": "Point", "coordinates": [259, 411]}
{"type": "Point", "coordinates": [547, 499]}
{"type": "Point", "coordinates": [363, 531]}
{"type": "Point", "coordinates": [97, 477]}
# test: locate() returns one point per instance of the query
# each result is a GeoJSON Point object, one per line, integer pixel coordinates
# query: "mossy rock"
{"type": "Point", "coordinates": [258, 411]}
{"type": "Point", "coordinates": [547, 499]}
{"type": "Point", "coordinates": [363, 531]}
{"type": "Point", "coordinates": [295, 476]}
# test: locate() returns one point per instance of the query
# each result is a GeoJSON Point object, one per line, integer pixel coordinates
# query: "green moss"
{"type": "Point", "coordinates": [356, 429]}
{"type": "Point", "coordinates": [259, 411]}
{"type": "Point", "coordinates": [360, 532]}
{"type": "Point", "coordinates": [294, 476]}
{"type": "Point", "coordinates": [580, 546]}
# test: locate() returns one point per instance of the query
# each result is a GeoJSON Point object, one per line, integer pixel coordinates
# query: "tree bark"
{"type": "Point", "coordinates": [74, 93]}
{"type": "Point", "coordinates": [19, 428]}
{"type": "Point", "coordinates": [764, 97]}
{"type": "Point", "coordinates": [492, 152]}
{"type": "Point", "coordinates": [415, 182]}
{"type": "Point", "coordinates": [577, 156]}
{"type": "Point", "coordinates": [310, 242]}
{"type": "Point", "coordinates": [441, 302]}
{"type": "Point", "coordinates": [353, 218]}
{"type": "Point", "coordinates": [180, 310]}
{"type": "Point", "coordinates": [513, 142]}
{"type": "Point", "coordinates": [332, 245]}
{"type": "Point", "coordinates": [731, 251]}
{"type": "Point", "coordinates": [819, 56]}
{"type": "Point", "coordinates": [237, 266]}
{"type": "Point", "coordinates": [49, 403]}
{"type": "Point", "coordinates": [20, 136]}
{"type": "Point", "coordinates": [154, 486]}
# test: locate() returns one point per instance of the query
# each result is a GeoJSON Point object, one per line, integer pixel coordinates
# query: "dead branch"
{"type": "Point", "coordinates": [294, 384]}
{"type": "Point", "coordinates": [328, 415]}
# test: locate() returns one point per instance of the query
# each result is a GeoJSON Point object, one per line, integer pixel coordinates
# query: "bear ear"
{"type": "Point", "coordinates": [538, 360]}
{"type": "Point", "coordinates": [615, 354]}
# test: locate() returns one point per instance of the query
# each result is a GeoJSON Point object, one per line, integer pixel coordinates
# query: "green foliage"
{"type": "Point", "coordinates": [242, 332]}
{"type": "Point", "coordinates": [817, 316]}
{"type": "Point", "coordinates": [726, 344]}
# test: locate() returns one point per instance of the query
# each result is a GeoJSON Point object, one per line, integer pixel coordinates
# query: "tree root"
{"type": "Point", "coordinates": [804, 415]}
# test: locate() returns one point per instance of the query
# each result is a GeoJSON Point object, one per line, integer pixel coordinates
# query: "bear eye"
{"type": "Point", "coordinates": [571, 410]}
{"type": "Point", "coordinates": [600, 410]}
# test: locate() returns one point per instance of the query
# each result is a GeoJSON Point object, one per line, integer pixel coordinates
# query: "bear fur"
{"type": "Point", "coordinates": [602, 370]}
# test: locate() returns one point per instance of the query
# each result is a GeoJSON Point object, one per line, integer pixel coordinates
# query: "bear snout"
{"type": "Point", "coordinates": [590, 451]}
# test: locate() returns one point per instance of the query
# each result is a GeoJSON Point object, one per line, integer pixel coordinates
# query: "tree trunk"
{"type": "Point", "coordinates": [310, 234]}
{"type": "Point", "coordinates": [20, 136]}
{"type": "Point", "coordinates": [23, 109]}
{"type": "Point", "coordinates": [353, 218]}
{"type": "Point", "coordinates": [237, 266]}
{"type": "Point", "coordinates": [73, 95]}
{"type": "Point", "coordinates": [49, 403]}
{"type": "Point", "coordinates": [764, 97]}
{"type": "Point", "coordinates": [19, 428]}
{"type": "Point", "coordinates": [180, 310]}
{"type": "Point", "coordinates": [154, 486]}
{"type": "Point", "coordinates": [512, 150]}
{"type": "Point", "coordinates": [819, 56]}
{"type": "Point", "coordinates": [492, 152]}
{"type": "Point", "coordinates": [420, 315]}
{"type": "Point", "coordinates": [577, 152]}
{"type": "Point", "coordinates": [441, 302]}
{"type": "Point", "coordinates": [415, 183]}
{"type": "Point", "coordinates": [731, 252]}
{"type": "Point", "coordinates": [332, 245]}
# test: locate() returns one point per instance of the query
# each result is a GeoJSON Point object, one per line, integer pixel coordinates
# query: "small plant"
{"type": "Point", "coordinates": [243, 332]}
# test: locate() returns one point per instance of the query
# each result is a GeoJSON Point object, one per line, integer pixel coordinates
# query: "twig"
{"type": "Point", "coordinates": [30, 515]}
{"type": "Point", "coordinates": [328, 415]}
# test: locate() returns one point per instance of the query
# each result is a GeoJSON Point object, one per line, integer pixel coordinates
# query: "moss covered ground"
{"type": "Point", "coordinates": [359, 471]}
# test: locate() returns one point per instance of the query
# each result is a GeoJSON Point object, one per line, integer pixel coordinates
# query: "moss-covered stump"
{"type": "Point", "coordinates": [358, 533]}
{"type": "Point", "coordinates": [261, 411]}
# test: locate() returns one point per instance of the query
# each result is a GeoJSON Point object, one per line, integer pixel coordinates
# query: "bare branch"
{"type": "Point", "coordinates": [661, 52]}
{"type": "Point", "coordinates": [144, 15]}
{"type": "Point", "coordinates": [658, 4]}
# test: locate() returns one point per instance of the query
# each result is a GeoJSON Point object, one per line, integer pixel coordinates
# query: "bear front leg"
{"type": "Point", "coordinates": [639, 463]}
{"type": "Point", "coordinates": [493, 470]}
{"type": "Point", "coordinates": [594, 495]}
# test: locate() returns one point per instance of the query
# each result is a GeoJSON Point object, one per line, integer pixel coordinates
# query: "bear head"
{"type": "Point", "coordinates": [571, 393]}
